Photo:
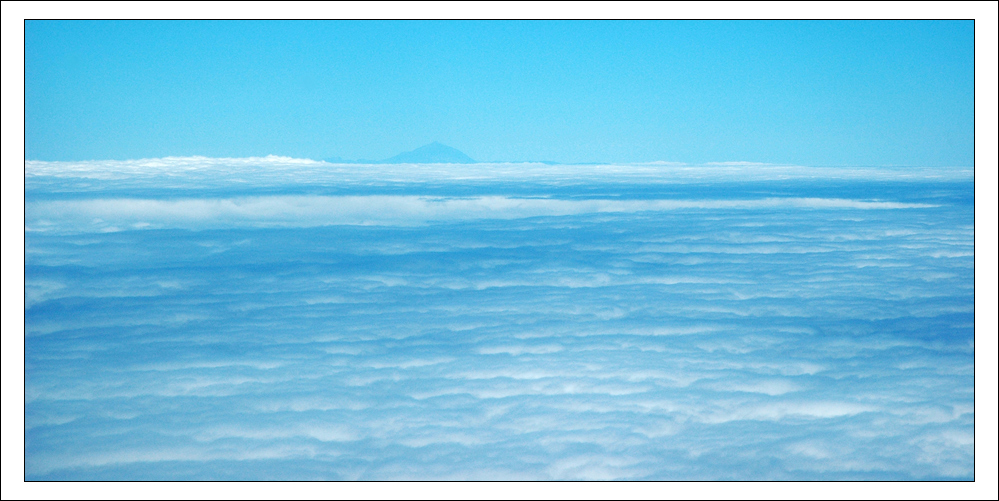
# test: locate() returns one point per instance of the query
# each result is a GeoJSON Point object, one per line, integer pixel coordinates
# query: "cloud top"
{"type": "Point", "coordinates": [305, 211]}
{"type": "Point", "coordinates": [242, 319]}
{"type": "Point", "coordinates": [271, 168]}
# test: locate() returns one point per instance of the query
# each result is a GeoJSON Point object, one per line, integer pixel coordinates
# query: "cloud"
{"type": "Point", "coordinates": [276, 169]}
{"type": "Point", "coordinates": [516, 321]}
{"type": "Point", "coordinates": [306, 211]}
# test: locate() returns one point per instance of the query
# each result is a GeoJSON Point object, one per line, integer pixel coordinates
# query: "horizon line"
{"type": "Point", "coordinates": [728, 163]}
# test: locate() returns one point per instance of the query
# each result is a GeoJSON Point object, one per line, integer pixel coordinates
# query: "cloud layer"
{"type": "Point", "coordinates": [305, 211]}
{"type": "Point", "coordinates": [456, 332]}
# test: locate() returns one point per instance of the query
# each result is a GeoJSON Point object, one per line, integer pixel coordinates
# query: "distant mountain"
{"type": "Point", "coordinates": [433, 153]}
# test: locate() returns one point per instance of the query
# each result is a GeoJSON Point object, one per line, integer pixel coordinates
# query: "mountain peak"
{"type": "Point", "coordinates": [433, 153]}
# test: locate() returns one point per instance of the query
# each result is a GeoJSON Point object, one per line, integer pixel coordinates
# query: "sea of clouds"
{"type": "Point", "coordinates": [276, 318]}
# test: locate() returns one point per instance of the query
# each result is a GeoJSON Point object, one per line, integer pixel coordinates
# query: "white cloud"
{"type": "Point", "coordinates": [305, 211]}
{"type": "Point", "coordinates": [317, 333]}
{"type": "Point", "coordinates": [275, 169]}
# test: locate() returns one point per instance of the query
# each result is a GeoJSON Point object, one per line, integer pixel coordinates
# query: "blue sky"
{"type": "Point", "coordinates": [810, 93]}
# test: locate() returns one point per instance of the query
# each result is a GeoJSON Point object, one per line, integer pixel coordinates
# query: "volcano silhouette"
{"type": "Point", "coordinates": [433, 153]}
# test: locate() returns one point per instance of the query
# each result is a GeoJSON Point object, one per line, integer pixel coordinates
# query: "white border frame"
{"type": "Point", "coordinates": [12, 217]}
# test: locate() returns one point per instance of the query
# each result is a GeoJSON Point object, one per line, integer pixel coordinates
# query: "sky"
{"type": "Point", "coordinates": [821, 93]}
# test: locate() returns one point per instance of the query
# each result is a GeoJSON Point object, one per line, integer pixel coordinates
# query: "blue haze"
{"type": "Point", "coordinates": [276, 318]}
